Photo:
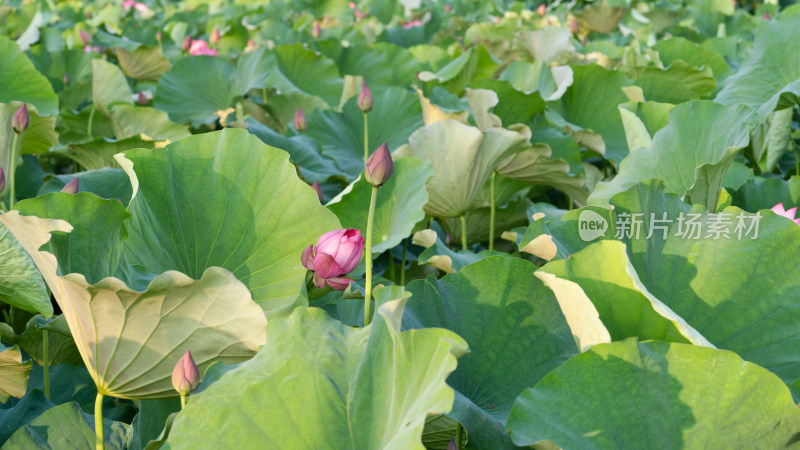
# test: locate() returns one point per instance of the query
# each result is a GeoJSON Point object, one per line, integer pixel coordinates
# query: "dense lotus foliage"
{"type": "Point", "coordinates": [399, 224]}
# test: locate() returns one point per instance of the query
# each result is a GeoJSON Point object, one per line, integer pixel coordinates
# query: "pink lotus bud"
{"type": "Point", "coordinates": [185, 377]}
{"type": "Point", "coordinates": [85, 38]}
{"type": "Point", "coordinates": [574, 26]}
{"type": "Point", "coordinates": [765, 16]}
{"type": "Point", "coordinates": [307, 258]}
{"type": "Point", "coordinates": [452, 444]}
{"type": "Point", "coordinates": [316, 30]}
{"type": "Point", "coordinates": [338, 252]}
{"type": "Point", "coordinates": [316, 187]}
{"type": "Point", "coordinates": [215, 36]}
{"type": "Point", "coordinates": [141, 99]}
{"type": "Point", "coordinates": [158, 36]}
{"type": "Point", "coordinates": [542, 9]}
{"type": "Point", "coordinates": [128, 4]}
{"type": "Point", "coordinates": [352, 5]}
{"type": "Point", "coordinates": [448, 8]}
{"type": "Point", "coordinates": [300, 123]}
{"type": "Point", "coordinates": [788, 213]}
{"type": "Point", "coordinates": [71, 187]}
{"type": "Point", "coordinates": [251, 45]}
{"type": "Point", "coordinates": [379, 166]}
{"type": "Point", "coordinates": [2, 180]}
{"type": "Point", "coordinates": [187, 44]}
{"type": "Point", "coordinates": [66, 79]}
{"type": "Point", "coordinates": [20, 119]}
{"type": "Point", "coordinates": [365, 98]}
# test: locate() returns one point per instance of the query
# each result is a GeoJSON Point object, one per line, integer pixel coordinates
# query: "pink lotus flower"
{"type": "Point", "coordinates": [185, 376]}
{"type": "Point", "coordinates": [200, 47]}
{"type": "Point", "coordinates": [412, 23]}
{"type": "Point", "coordinates": [128, 4]}
{"type": "Point", "coordinates": [90, 49]}
{"type": "Point", "coordinates": [790, 213]}
{"type": "Point", "coordinates": [765, 16]}
{"type": "Point", "coordinates": [337, 253]}
{"type": "Point", "coordinates": [71, 187]}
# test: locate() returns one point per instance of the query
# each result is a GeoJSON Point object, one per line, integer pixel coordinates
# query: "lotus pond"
{"type": "Point", "coordinates": [399, 224]}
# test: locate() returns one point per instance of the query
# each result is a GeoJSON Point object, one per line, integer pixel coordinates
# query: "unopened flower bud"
{"type": "Point", "coordinates": [2, 180]}
{"type": "Point", "coordinates": [338, 252]}
{"type": "Point", "coordinates": [541, 9]}
{"type": "Point", "coordinates": [365, 98]}
{"type": "Point", "coordinates": [300, 122]}
{"type": "Point", "coordinates": [158, 36]}
{"type": "Point", "coordinates": [316, 30]}
{"type": "Point", "coordinates": [85, 38]}
{"type": "Point", "coordinates": [185, 376]}
{"type": "Point", "coordinates": [452, 444]}
{"type": "Point", "coordinates": [379, 166]}
{"type": "Point", "coordinates": [316, 187]}
{"type": "Point", "coordinates": [187, 44]}
{"type": "Point", "coordinates": [214, 38]}
{"type": "Point", "coordinates": [448, 8]}
{"type": "Point", "coordinates": [71, 187]}
{"type": "Point", "coordinates": [141, 99]}
{"type": "Point", "coordinates": [765, 16]}
{"type": "Point", "coordinates": [66, 79]}
{"type": "Point", "coordinates": [20, 119]}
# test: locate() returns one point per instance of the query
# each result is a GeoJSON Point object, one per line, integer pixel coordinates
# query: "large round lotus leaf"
{"type": "Point", "coordinates": [321, 384]}
{"type": "Point", "coordinates": [67, 426]}
{"type": "Point", "coordinates": [224, 199]}
{"type": "Point", "coordinates": [680, 49]}
{"type": "Point", "coordinates": [340, 135]}
{"type": "Point", "coordinates": [398, 207]}
{"type": "Point", "coordinates": [130, 341]}
{"type": "Point", "coordinates": [196, 88]}
{"type": "Point", "coordinates": [690, 155]}
{"type": "Point", "coordinates": [655, 394]}
{"type": "Point", "coordinates": [21, 285]}
{"type": "Point", "coordinates": [109, 86]}
{"type": "Point", "coordinates": [764, 193]}
{"type": "Point", "coordinates": [129, 121]}
{"type": "Point", "coordinates": [463, 158]}
{"type": "Point", "coordinates": [22, 82]}
{"type": "Point", "coordinates": [770, 76]}
{"type": "Point", "coordinates": [516, 330]}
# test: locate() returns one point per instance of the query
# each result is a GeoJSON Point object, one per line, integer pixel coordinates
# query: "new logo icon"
{"type": "Point", "coordinates": [591, 225]}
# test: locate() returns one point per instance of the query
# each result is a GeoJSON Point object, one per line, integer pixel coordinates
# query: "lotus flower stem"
{"type": "Point", "coordinates": [403, 264]}
{"type": "Point", "coordinates": [183, 400]}
{"type": "Point", "coordinates": [12, 169]}
{"type": "Point", "coordinates": [459, 434]}
{"type": "Point", "coordinates": [796, 163]}
{"type": "Point", "coordinates": [91, 119]}
{"type": "Point", "coordinates": [492, 207]}
{"type": "Point", "coordinates": [46, 362]}
{"type": "Point", "coordinates": [98, 421]}
{"type": "Point", "coordinates": [391, 267]}
{"type": "Point", "coordinates": [463, 233]}
{"type": "Point", "coordinates": [368, 254]}
{"type": "Point", "coordinates": [366, 140]}
{"type": "Point", "coordinates": [264, 95]}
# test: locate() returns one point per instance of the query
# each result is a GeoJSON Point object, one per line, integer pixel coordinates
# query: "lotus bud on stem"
{"type": "Point", "coordinates": [215, 37]}
{"type": "Point", "coordinates": [377, 171]}
{"type": "Point", "coordinates": [300, 122]}
{"type": "Point", "coordinates": [71, 187]}
{"type": "Point", "coordinates": [365, 103]}
{"type": "Point", "coordinates": [98, 421]}
{"type": "Point", "coordinates": [19, 123]}
{"type": "Point", "coordinates": [185, 376]}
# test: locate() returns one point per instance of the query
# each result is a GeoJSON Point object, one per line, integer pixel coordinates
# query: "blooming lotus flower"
{"type": "Point", "coordinates": [337, 253]}
{"type": "Point", "coordinates": [365, 100]}
{"type": "Point", "coordinates": [379, 166]}
{"type": "Point", "coordinates": [90, 49]}
{"type": "Point", "coordinates": [200, 47]}
{"type": "Point", "coordinates": [412, 24]}
{"type": "Point", "coordinates": [71, 187]}
{"type": "Point", "coordinates": [185, 377]}
{"type": "Point", "coordinates": [790, 213]}
{"type": "Point", "coordinates": [300, 123]}
{"type": "Point", "coordinates": [20, 120]}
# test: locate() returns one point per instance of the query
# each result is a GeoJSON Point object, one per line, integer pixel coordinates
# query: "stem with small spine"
{"type": "Point", "coordinates": [368, 254]}
{"type": "Point", "coordinates": [463, 233]}
{"type": "Point", "coordinates": [46, 362]}
{"type": "Point", "coordinates": [366, 140]}
{"type": "Point", "coordinates": [12, 169]}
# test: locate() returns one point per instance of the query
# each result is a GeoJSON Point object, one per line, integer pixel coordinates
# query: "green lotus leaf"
{"type": "Point", "coordinates": [105, 183]}
{"type": "Point", "coordinates": [13, 373]}
{"type": "Point", "coordinates": [73, 126]}
{"type": "Point", "coordinates": [129, 340]}
{"type": "Point", "coordinates": [475, 63]}
{"type": "Point", "coordinates": [692, 396]}
{"type": "Point", "coordinates": [22, 82]}
{"type": "Point", "coordinates": [642, 120]}
{"type": "Point", "coordinates": [773, 138]}
{"type": "Point", "coordinates": [28, 408]}
{"type": "Point", "coordinates": [590, 103]}
{"type": "Point", "coordinates": [529, 338]}
{"type": "Point", "coordinates": [463, 158]}
{"type": "Point", "coordinates": [21, 285]}
{"type": "Point", "coordinates": [439, 255]}
{"type": "Point", "coordinates": [696, 82]}
{"type": "Point", "coordinates": [764, 193]}
{"type": "Point", "coordinates": [681, 49]}
{"type": "Point", "coordinates": [298, 69]}
{"type": "Point", "coordinates": [328, 386]}
{"type": "Point", "coordinates": [178, 88]}
{"type": "Point", "coordinates": [67, 426]}
{"type": "Point", "coordinates": [398, 208]}
{"type": "Point", "coordinates": [549, 44]}
{"type": "Point", "coordinates": [55, 64]}
{"type": "Point", "coordinates": [769, 78]}
{"type": "Point", "coordinates": [508, 215]}
{"type": "Point", "coordinates": [152, 418]}
{"type": "Point", "coordinates": [340, 135]}
{"type": "Point", "coordinates": [513, 106]}
{"type": "Point", "coordinates": [690, 155]}
{"type": "Point", "coordinates": [144, 63]}
{"type": "Point", "coordinates": [549, 82]}
{"type": "Point", "coordinates": [625, 306]}
{"type": "Point", "coordinates": [61, 347]}
{"type": "Point", "coordinates": [130, 121]}
{"type": "Point", "coordinates": [224, 199]}
{"type": "Point", "coordinates": [560, 237]}
{"type": "Point", "coordinates": [535, 165]}
{"type": "Point", "coordinates": [109, 86]}
{"type": "Point", "coordinates": [98, 153]}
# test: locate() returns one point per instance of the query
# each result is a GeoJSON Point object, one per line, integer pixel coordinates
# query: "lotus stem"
{"type": "Point", "coordinates": [463, 233]}
{"type": "Point", "coordinates": [91, 119]}
{"type": "Point", "coordinates": [391, 267]}
{"type": "Point", "coordinates": [12, 170]}
{"type": "Point", "coordinates": [46, 362]}
{"type": "Point", "coordinates": [183, 400]}
{"type": "Point", "coordinates": [459, 434]}
{"type": "Point", "coordinates": [368, 253]}
{"type": "Point", "coordinates": [796, 163]}
{"type": "Point", "coordinates": [492, 207]}
{"type": "Point", "coordinates": [403, 264]}
{"type": "Point", "coordinates": [366, 140]}
{"type": "Point", "coordinates": [98, 421]}
{"type": "Point", "coordinates": [264, 95]}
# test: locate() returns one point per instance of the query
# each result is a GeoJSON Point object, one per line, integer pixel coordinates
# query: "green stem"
{"type": "Point", "coordinates": [264, 95]}
{"type": "Point", "coordinates": [796, 163]}
{"type": "Point", "coordinates": [403, 264]}
{"type": "Point", "coordinates": [368, 254]}
{"type": "Point", "coordinates": [183, 400]}
{"type": "Point", "coordinates": [12, 170]}
{"type": "Point", "coordinates": [571, 203]}
{"type": "Point", "coordinates": [46, 362]}
{"type": "Point", "coordinates": [459, 434]}
{"type": "Point", "coordinates": [98, 421]}
{"type": "Point", "coordinates": [91, 119]}
{"type": "Point", "coordinates": [492, 207]}
{"type": "Point", "coordinates": [463, 233]}
{"type": "Point", "coordinates": [391, 267]}
{"type": "Point", "coordinates": [366, 140]}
